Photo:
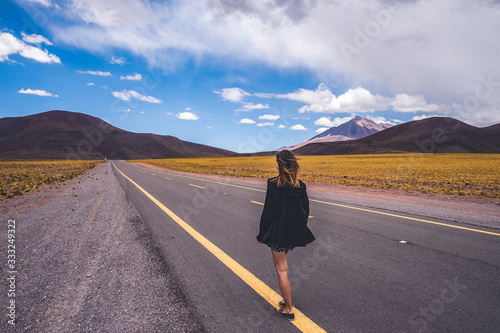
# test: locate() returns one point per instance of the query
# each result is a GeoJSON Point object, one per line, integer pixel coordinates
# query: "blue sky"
{"type": "Point", "coordinates": [250, 75]}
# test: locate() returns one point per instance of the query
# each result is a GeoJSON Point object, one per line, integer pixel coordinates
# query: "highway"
{"type": "Point", "coordinates": [356, 277]}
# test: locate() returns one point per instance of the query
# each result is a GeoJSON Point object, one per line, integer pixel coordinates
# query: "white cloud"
{"type": "Point", "coordinates": [188, 109]}
{"type": "Point", "coordinates": [269, 117]}
{"type": "Point", "coordinates": [232, 94]}
{"type": "Point", "coordinates": [250, 106]}
{"type": "Point", "coordinates": [322, 100]}
{"type": "Point", "coordinates": [98, 73]}
{"type": "Point", "coordinates": [35, 39]}
{"type": "Point", "coordinates": [12, 45]}
{"type": "Point", "coordinates": [117, 61]}
{"type": "Point", "coordinates": [321, 130]}
{"type": "Point", "coordinates": [187, 116]}
{"type": "Point", "coordinates": [91, 84]}
{"type": "Point", "coordinates": [424, 117]}
{"type": "Point", "coordinates": [382, 120]}
{"type": "Point", "coordinates": [246, 121]}
{"type": "Point", "coordinates": [127, 110]}
{"type": "Point", "coordinates": [135, 77]}
{"type": "Point", "coordinates": [298, 127]}
{"type": "Point", "coordinates": [406, 103]}
{"type": "Point", "coordinates": [265, 124]}
{"type": "Point", "coordinates": [326, 121]}
{"type": "Point", "coordinates": [37, 92]}
{"type": "Point", "coordinates": [126, 95]}
{"type": "Point", "coordinates": [46, 3]}
{"type": "Point", "coordinates": [281, 126]}
{"type": "Point", "coordinates": [413, 47]}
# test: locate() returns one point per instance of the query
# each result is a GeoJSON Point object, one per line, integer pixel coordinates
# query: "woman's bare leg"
{"type": "Point", "coordinates": [279, 260]}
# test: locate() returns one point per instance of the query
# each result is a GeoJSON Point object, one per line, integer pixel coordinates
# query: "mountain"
{"type": "Point", "coordinates": [356, 128]}
{"type": "Point", "coordinates": [64, 134]}
{"type": "Point", "coordinates": [431, 135]}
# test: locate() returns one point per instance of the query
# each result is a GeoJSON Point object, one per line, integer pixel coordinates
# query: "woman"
{"type": "Point", "coordinates": [283, 224]}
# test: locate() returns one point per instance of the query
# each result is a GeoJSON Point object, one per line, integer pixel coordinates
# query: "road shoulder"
{"type": "Point", "coordinates": [87, 262]}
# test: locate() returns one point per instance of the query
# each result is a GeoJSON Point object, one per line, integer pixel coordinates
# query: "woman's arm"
{"type": "Point", "coordinates": [305, 202]}
{"type": "Point", "coordinates": [271, 205]}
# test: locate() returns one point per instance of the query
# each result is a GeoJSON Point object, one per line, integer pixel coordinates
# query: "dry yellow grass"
{"type": "Point", "coordinates": [454, 174]}
{"type": "Point", "coordinates": [18, 177]}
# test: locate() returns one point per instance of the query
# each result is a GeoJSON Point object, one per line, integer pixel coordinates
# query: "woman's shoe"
{"type": "Point", "coordinates": [289, 316]}
{"type": "Point", "coordinates": [281, 303]}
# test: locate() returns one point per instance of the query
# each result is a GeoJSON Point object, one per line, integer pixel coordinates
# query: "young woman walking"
{"type": "Point", "coordinates": [283, 224]}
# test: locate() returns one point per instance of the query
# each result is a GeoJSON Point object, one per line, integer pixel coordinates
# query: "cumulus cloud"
{"type": "Point", "coordinates": [298, 127]}
{"type": "Point", "coordinates": [424, 116]}
{"type": "Point", "coordinates": [9, 44]}
{"type": "Point", "coordinates": [281, 126]}
{"type": "Point", "coordinates": [187, 116]}
{"type": "Point", "coordinates": [411, 47]}
{"type": "Point", "coordinates": [91, 84]}
{"type": "Point", "coordinates": [246, 121]}
{"type": "Point", "coordinates": [321, 130]}
{"type": "Point", "coordinates": [97, 73]}
{"type": "Point", "coordinates": [35, 39]}
{"type": "Point", "coordinates": [382, 120]}
{"type": "Point", "coordinates": [126, 95]}
{"type": "Point", "coordinates": [117, 61]}
{"type": "Point", "coordinates": [328, 122]}
{"type": "Point", "coordinates": [322, 100]}
{"type": "Point", "coordinates": [135, 77]}
{"type": "Point", "coordinates": [265, 124]}
{"type": "Point", "coordinates": [37, 92]}
{"type": "Point", "coordinates": [232, 94]}
{"type": "Point", "coordinates": [269, 117]}
{"type": "Point", "coordinates": [406, 103]}
{"type": "Point", "coordinates": [250, 106]}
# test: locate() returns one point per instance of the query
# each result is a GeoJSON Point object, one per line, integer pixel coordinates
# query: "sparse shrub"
{"type": "Point", "coordinates": [453, 174]}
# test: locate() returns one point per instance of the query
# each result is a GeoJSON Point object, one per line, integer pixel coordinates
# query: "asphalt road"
{"type": "Point", "coordinates": [356, 277]}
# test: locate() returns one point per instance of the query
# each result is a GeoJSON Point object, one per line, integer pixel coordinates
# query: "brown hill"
{"type": "Point", "coordinates": [432, 135]}
{"type": "Point", "coordinates": [63, 134]}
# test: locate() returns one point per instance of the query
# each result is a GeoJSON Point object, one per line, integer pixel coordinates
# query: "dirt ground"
{"type": "Point", "coordinates": [84, 261]}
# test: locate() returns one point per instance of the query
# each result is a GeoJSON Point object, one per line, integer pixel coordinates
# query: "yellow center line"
{"type": "Point", "coordinates": [409, 218]}
{"type": "Point", "coordinates": [167, 178]}
{"type": "Point", "coordinates": [197, 186]}
{"type": "Point", "coordinates": [301, 321]}
{"type": "Point", "coordinates": [366, 210]}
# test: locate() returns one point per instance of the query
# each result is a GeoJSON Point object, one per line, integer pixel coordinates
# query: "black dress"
{"type": "Point", "coordinates": [283, 223]}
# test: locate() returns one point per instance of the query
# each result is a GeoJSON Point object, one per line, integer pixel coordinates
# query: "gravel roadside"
{"type": "Point", "coordinates": [86, 262]}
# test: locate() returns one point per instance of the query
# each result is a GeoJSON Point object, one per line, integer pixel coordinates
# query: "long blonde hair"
{"type": "Point", "coordinates": [288, 169]}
